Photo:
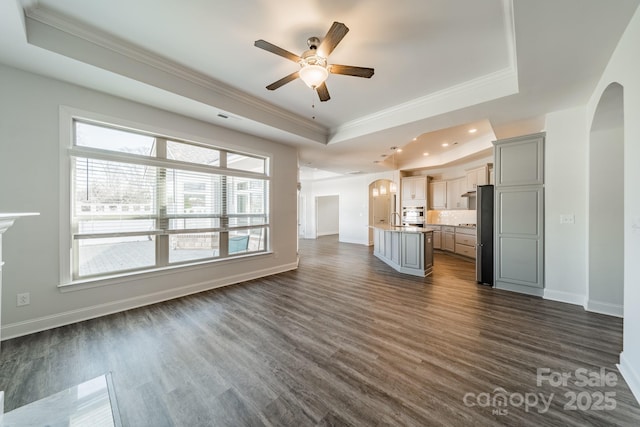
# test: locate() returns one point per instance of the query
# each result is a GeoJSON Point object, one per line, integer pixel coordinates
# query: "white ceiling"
{"type": "Point", "coordinates": [441, 67]}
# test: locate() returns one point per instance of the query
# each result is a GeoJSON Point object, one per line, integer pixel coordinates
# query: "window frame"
{"type": "Point", "coordinates": [69, 151]}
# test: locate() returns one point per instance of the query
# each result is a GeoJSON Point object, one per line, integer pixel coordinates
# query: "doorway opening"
{"type": "Point", "coordinates": [327, 215]}
{"type": "Point", "coordinates": [605, 293]}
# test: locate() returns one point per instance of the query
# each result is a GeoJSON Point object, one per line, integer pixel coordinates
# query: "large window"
{"type": "Point", "coordinates": [141, 201]}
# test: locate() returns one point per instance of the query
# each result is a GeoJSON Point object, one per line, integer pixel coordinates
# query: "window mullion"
{"type": "Point", "coordinates": [224, 211]}
{"type": "Point", "coordinates": [162, 240]}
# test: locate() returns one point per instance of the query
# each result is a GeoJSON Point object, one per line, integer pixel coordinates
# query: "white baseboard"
{"type": "Point", "coordinates": [616, 310]}
{"type": "Point", "coordinates": [17, 329]}
{"type": "Point", "coordinates": [567, 297]}
{"type": "Point", "coordinates": [354, 242]}
{"type": "Point", "coordinates": [327, 233]}
{"type": "Point", "coordinates": [630, 376]}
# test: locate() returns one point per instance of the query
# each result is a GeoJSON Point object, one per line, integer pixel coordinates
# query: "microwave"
{"type": "Point", "coordinates": [413, 215]}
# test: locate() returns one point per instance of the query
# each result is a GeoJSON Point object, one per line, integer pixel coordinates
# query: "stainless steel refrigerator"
{"type": "Point", "coordinates": [484, 234]}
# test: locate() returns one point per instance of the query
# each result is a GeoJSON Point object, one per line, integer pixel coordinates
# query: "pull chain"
{"type": "Point", "coordinates": [313, 103]}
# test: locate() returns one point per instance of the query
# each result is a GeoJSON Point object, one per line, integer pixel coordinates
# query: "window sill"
{"type": "Point", "coordinates": [115, 279]}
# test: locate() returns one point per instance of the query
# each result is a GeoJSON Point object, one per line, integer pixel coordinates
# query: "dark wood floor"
{"type": "Point", "coordinates": [344, 340]}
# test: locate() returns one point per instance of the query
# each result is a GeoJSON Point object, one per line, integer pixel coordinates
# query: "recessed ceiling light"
{"type": "Point", "coordinates": [445, 144]}
{"type": "Point", "coordinates": [415, 139]}
{"type": "Point", "coordinates": [425, 154]}
{"type": "Point", "coordinates": [399, 150]}
{"type": "Point", "coordinates": [474, 130]}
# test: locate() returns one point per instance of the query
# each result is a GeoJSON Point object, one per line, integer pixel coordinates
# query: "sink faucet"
{"type": "Point", "coordinates": [393, 216]}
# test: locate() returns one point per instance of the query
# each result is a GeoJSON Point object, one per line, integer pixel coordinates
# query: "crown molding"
{"type": "Point", "coordinates": [44, 24]}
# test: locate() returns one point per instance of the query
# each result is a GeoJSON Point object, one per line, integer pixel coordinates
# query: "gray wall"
{"type": "Point", "coordinates": [606, 221]}
{"type": "Point", "coordinates": [30, 174]}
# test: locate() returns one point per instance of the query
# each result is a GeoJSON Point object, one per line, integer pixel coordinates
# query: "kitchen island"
{"type": "Point", "coordinates": [408, 250]}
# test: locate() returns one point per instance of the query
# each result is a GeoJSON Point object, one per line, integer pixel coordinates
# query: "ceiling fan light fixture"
{"type": "Point", "coordinates": [313, 75]}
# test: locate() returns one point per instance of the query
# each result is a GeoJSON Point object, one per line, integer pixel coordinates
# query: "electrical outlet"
{"type": "Point", "coordinates": [24, 299]}
{"type": "Point", "coordinates": [567, 219]}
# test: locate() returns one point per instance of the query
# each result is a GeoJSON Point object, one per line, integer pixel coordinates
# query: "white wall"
{"type": "Point", "coordinates": [327, 215]}
{"type": "Point", "coordinates": [565, 190]}
{"type": "Point", "coordinates": [624, 68]}
{"type": "Point", "coordinates": [606, 222]}
{"type": "Point", "coordinates": [29, 181]}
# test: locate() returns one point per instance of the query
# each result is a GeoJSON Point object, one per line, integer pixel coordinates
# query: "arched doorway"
{"type": "Point", "coordinates": [606, 205]}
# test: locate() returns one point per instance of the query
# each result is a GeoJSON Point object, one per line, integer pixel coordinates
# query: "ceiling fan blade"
{"type": "Point", "coordinates": [349, 70]}
{"type": "Point", "coordinates": [337, 31]}
{"type": "Point", "coordinates": [269, 47]}
{"type": "Point", "coordinates": [323, 92]}
{"type": "Point", "coordinates": [283, 81]}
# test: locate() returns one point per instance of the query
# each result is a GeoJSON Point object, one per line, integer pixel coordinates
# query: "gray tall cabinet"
{"type": "Point", "coordinates": [519, 214]}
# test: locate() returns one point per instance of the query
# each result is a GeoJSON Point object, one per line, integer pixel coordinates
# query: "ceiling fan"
{"type": "Point", "coordinates": [314, 68]}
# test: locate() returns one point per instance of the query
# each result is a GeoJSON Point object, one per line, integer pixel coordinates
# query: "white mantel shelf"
{"type": "Point", "coordinates": [7, 219]}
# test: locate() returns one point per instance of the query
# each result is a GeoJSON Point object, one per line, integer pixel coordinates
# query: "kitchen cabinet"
{"type": "Point", "coordinates": [455, 189]}
{"type": "Point", "coordinates": [437, 236]}
{"type": "Point", "coordinates": [449, 238]}
{"type": "Point", "coordinates": [519, 194]}
{"type": "Point", "coordinates": [466, 242]}
{"type": "Point", "coordinates": [438, 195]}
{"type": "Point", "coordinates": [386, 244]}
{"type": "Point", "coordinates": [414, 191]}
{"type": "Point", "coordinates": [477, 176]}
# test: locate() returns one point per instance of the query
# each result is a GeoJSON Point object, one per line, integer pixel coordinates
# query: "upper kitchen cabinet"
{"type": "Point", "coordinates": [519, 161]}
{"type": "Point", "coordinates": [477, 176]}
{"type": "Point", "coordinates": [455, 189]}
{"type": "Point", "coordinates": [438, 195]}
{"type": "Point", "coordinates": [414, 191]}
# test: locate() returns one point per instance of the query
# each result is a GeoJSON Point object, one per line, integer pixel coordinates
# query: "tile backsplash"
{"type": "Point", "coordinates": [451, 217]}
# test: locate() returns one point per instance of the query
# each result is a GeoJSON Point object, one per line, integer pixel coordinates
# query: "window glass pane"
{"type": "Point", "coordinates": [114, 254]}
{"type": "Point", "coordinates": [193, 153]}
{"type": "Point", "coordinates": [246, 163]}
{"type": "Point", "coordinates": [246, 196]}
{"type": "Point", "coordinates": [242, 241]}
{"type": "Point", "coordinates": [194, 246]}
{"type": "Point", "coordinates": [112, 188]}
{"type": "Point", "coordinates": [193, 193]}
{"type": "Point", "coordinates": [89, 135]}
